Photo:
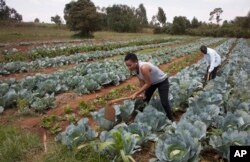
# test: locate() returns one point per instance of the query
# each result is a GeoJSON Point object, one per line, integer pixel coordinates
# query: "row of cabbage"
{"type": "Point", "coordinates": [64, 44]}
{"type": "Point", "coordinates": [42, 43]}
{"type": "Point", "coordinates": [217, 116]}
{"type": "Point", "coordinates": [20, 66]}
{"type": "Point", "coordinates": [206, 124]}
{"type": "Point", "coordinates": [40, 90]}
{"type": "Point", "coordinates": [191, 79]}
{"type": "Point", "coordinates": [70, 49]}
{"type": "Point", "coordinates": [175, 142]}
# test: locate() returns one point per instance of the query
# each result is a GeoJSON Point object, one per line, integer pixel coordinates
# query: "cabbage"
{"type": "Point", "coordinates": [229, 138]}
{"type": "Point", "coordinates": [101, 121]}
{"type": "Point", "coordinates": [76, 134]}
{"type": "Point", "coordinates": [153, 118]}
{"type": "Point", "coordinates": [177, 148]}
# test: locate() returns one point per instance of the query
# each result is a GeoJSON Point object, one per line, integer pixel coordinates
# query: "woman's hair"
{"type": "Point", "coordinates": [131, 56]}
{"type": "Point", "coordinates": [203, 49]}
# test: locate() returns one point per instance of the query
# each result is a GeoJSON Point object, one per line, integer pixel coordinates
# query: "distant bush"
{"type": "Point", "coordinates": [220, 32]}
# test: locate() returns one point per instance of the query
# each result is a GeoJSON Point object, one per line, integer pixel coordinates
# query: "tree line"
{"type": "Point", "coordinates": [84, 16]}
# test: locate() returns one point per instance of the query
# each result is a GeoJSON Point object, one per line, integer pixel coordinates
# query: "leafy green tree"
{"type": "Point", "coordinates": [161, 16]}
{"type": "Point", "coordinates": [180, 24]}
{"type": "Point", "coordinates": [195, 23]}
{"type": "Point", "coordinates": [216, 13]}
{"type": "Point", "coordinates": [56, 19]}
{"type": "Point", "coordinates": [9, 14]}
{"type": "Point", "coordinates": [122, 18]}
{"type": "Point", "coordinates": [142, 15]}
{"type": "Point", "coordinates": [36, 20]}
{"type": "Point", "coordinates": [81, 16]}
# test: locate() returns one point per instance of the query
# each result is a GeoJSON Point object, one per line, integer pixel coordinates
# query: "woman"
{"type": "Point", "coordinates": [150, 78]}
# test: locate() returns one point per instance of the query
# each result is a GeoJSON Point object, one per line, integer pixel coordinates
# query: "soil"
{"type": "Point", "coordinates": [211, 155]}
{"type": "Point", "coordinates": [147, 152]}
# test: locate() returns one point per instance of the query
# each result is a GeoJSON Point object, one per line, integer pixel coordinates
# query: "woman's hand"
{"type": "Point", "coordinates": [134, 96]}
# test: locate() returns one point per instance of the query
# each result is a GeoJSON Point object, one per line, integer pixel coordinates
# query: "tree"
{"type": "Point", "coordinates": [246, 23]}
{"type": "Point", "coordinates": [180, 24]}
{"type": "Point", "coordinates": [142, 15]}
{"type": "Point", "coordinates": [9, 14]}
{"type": "Point", "coordinates": [36, 20]}
{"type": "Point", "coordinates": [195, 23]}
{"type": "Point", "coordinates": [216, 12]}
{"type": "Point", "coordinates": [56, 19]}
{"type": "Point", "coordinates": [161, 16]}
{"type": "Point", "coordinates": [154, 21]}
{"type": "Point", "coordinates": [122, 18]}
{"type": "Point", "coordinates": [81, 16]}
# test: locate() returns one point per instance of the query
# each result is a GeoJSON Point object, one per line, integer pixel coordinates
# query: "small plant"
{"type": "Point", "coordinates": [23, 106]}
{"type": "Point", "coordinates": [130, 87]}
{"type": "Point", "coordinates": [68, 109]}
{"type": "Point", "coordinates": [84, 108]}
{"type": "Point", "coordinates": [55, 129]}
{"type": "Point", "coordinates": [83, 105]}
{"type": "Point", "coordinates": [48, 121]}
{"type": "Point", "coordinates": [71, 117]}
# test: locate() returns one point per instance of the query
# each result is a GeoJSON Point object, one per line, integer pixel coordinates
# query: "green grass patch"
{"type": "Point", "coordinates": [33, 33]}
{"type": "Point", "coordinates": [127, 36]}
{"type": "Point", "coordinates": [15, 145]}
{"type": "Point", "coordinates": [178, 66]}
{"type": "Point", "coordinates": [60, 153]}
{"type": "Point", "coordinates": [148, 50]}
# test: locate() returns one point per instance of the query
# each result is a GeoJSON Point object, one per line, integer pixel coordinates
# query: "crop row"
{"type": "Point", "coordinates": [39, 91]}
{"type": "Point", "coordinates": [214, 114]}
{"type": "Point", "coordinates": [70, 49]}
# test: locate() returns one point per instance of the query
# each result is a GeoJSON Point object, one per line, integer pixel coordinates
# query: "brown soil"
{"type": "Point", "coordinates": [146, 153]}
{"type": "Point", "coordinates": [211, 155]}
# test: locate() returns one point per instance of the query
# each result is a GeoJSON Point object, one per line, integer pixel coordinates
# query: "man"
{"type": "Point", "coordinates": [213, 60]}
{"type": "Point", "coordinates": [150, 78]}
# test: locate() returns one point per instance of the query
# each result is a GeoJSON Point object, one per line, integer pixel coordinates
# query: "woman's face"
{"type": "Point", "coordinates": [132, 66]}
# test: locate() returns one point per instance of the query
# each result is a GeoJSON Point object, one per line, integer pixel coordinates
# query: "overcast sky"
{"type": "Point", "coordinates": [44, 9]}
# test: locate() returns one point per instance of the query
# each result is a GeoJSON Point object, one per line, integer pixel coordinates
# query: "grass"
{"type": "Point", "coordinates": [59, 153]}
{"type": "Point", "coordinates": [126, 36]}
{"type": "Point", "coordinates": [33, 33]}
{"type": "Point", "coordinates": [149, 50]}
{"type": "Point", "coordinates": [42, 32]}
{"type": "Point", "coordinates": [16, 145]}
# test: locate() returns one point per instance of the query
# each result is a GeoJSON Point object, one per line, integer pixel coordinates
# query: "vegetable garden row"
{"type": "Point", "coordinates": [217, 116]}
{"type": "Point", "coordinates": [70, 49]}
{"type": "Point", "coordinates": [39, 91]}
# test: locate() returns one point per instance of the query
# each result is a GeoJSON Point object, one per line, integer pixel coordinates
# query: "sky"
{"type": "Point", "coordinates": [44, 9]}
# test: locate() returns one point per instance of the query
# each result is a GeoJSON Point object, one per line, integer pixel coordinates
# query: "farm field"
{"type": "Point", "coordinates": [53, 94]}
